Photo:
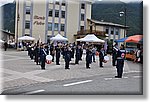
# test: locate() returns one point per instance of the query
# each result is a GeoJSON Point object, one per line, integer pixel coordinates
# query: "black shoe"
{"type": "Point", "coordinates": [43, 68]}
{"type": "Point", "coordinates": [101, 66]}
{"type": "Point", "coordinates": [118, 77]}
{"type": "Point", "coordinates": [67, 68]}
{"type": "Point", "coordinates": [87, 67]}
{"type": "Point", "coordinates": [57, 64]}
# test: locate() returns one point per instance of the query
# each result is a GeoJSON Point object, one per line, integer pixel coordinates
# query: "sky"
{"type": "Point", "coordinates": [2, 2]}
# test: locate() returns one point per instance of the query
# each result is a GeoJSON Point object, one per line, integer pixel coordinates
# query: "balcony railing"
{"type": "Point", "coordinates": [96, 32]}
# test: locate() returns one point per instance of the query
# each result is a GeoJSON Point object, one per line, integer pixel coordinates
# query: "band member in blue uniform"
{"type": "Point", "coordinates": [52, 51]}
{"type": "Point", "coordinates": [58, 52]}
{"type": "Point", "coordinates": [42, 57]}
{"type": "Point", "coordinates": [77, 56]}
{"type": "Point", "coordinates": [67, 56]}
{"type": "Point", "coordinates": [101, 56]}
{"type": "Point", "coordinates": [120, 61]}
{"type": "Point", "coordinates": [36, 53]}
{"type": "Point", "coordinates": [88, 57]}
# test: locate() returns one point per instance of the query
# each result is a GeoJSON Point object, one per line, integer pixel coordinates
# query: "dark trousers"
{"type": "Point", "coordinates": [77, 59]}
{"type": "Point", "coordinates": [37, 59]}
{"type": "Point", "coordinates": [101, 62]}
{"type": "Point", "coordinates": [66, 64]}
{"type": "Point", "coordinates": [57, 60]}
{"type": "Point", "coordinates": [43, 63]}
{"type": "Point", "coordinates": [120, 64]}
{"type": "Point", "coordinates": [52, 57]}
{"type": "Point", "coordinates": [114, 60]}
{"type": "Point", "coordinates": [87, 65]}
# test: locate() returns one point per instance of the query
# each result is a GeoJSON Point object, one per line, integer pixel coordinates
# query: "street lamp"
{"type": "Point", "coordinates": [123, 13]}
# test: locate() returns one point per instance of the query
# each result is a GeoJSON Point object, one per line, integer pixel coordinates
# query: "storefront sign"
{"type": "Point", "coordinates": [39, 20]}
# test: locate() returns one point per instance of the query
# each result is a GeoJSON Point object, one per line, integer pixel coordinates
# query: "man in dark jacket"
{"type": "Point", "coordinates": [5, 45]}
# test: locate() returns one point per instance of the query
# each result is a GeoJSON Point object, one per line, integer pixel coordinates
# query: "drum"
{"type": "Point", "coordinates": [106, 59]}
{"type": "Point", "coordinates": [48, 59]}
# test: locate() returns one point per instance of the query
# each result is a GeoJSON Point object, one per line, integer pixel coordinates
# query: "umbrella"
{"type": "Point", "coordinates": [59, 37]}
{"type": "Point", "coordinates": [91, 38]}
{"type": "Point", "coordinates": [26, 38]}
{"type": "Point", "coordinates": [121, 40]}
{"type": "Point", "coordinates": [134, 38]}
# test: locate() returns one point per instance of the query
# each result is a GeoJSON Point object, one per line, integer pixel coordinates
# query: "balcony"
{"type": "Point", "coordinates": [96, 32]}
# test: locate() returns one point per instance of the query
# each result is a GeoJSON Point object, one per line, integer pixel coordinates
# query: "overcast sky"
{"type": "Point", "coordinates": [2, 2]}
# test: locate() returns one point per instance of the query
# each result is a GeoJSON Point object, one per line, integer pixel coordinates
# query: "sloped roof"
{"type": "Point", "coordinates": [107, 23]}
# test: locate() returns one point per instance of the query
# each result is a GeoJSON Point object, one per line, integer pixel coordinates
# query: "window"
{"type": "Point", "coordinates": [50, 13]}
{"type": "Point", "coordinates": [27, 10]}
{"type": "Point", "coordinates": [56, 27]}
{"type": "Point", "coordinates": [57, 2]}
{"type": "Point", "coordinates": [107, 30]}
{"type": "Point", "coordinates": [56, 13]}
{"type": "Point", "coordinates": [82, 28]}
{"type": "Point", "coordinates": [82, 6]}
{"type": "Point", "coordinates": [82, 17]}
{"type": "Point", "coordinates": [62, 14]}
{"type": "Point", "coordinates": [63, 4]}
{"type": "Point", "coordinates": [49, 26]}
{"type": "Point", "coordinates": [117, 31]}
{"type": "Point", "coordinates": [112, 31]}
{"type": "Point", "coordinates": [62, 27]}
{"type": "Point", "coordinates": [27, 24]}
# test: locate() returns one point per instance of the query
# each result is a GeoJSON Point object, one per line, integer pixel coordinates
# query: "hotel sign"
{"type": "Point", "coordinates": [39, 20]}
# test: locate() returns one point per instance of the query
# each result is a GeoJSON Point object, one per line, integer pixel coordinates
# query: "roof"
{"type": "Point", "coordinates": [107, 23]}
{"type": "Point", "coordinates": [6, 32]}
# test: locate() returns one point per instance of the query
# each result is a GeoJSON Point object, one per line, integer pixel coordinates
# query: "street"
{"type": "Point", "coordinates": [21, 76]}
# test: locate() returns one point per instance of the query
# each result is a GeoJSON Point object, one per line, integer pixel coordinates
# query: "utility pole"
{"type": "Point", "coordinates": [17, 3]}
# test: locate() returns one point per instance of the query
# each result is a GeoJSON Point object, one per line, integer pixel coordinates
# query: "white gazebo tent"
{"type": "Point", "coordinates": [59, 37]}
{"type": "Point", "coordinates": [26, 38]}
{"type": "Point", "coordinates": [90, 38]}
{"type": "Point", "coordinates": [1, 41]}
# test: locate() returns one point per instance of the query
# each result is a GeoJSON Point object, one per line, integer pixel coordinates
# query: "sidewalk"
{"type": "Point", "coordinates": [19, 70]}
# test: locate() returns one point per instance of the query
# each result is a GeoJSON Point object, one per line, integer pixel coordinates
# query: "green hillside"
{"type": "Point", "coordinates": [8, 16]}
{"type": "Point", "coordinates": [109, 12]}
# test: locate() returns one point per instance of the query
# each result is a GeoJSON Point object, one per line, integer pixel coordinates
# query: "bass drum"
{"type": "Point", "coordinates": [106, 59]}
{"type": "Point", "coordinates": [48, 59]}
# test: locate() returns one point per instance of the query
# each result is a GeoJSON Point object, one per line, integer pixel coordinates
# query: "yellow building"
{"type": "Point", "coordinates": [46, 18]}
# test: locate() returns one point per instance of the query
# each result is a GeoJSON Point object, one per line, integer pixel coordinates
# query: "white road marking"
{"type": "Point", "coordinates": [76, 83]}
{"type": "Point", "coordinates": [33, 92]}
{"type": "Point", "coordinates": [115, 78]}
{"type": "Point", "coordinates": [108, 78]}
{"type": "Point", "coordinates": [137, 76]}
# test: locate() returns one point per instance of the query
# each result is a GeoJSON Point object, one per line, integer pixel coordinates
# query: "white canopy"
{"type": "Point", "coordinates": [91, 38]}
{"type": "Point", "coordinates": [59, 37]}
{"type": "Point", "coordinates": [1, 41]}
{"type": "Point", "coordinates": [26, 38]}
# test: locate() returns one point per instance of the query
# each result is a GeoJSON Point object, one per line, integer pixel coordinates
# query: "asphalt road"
{"type": "Point", "coordinates": [131, 83]}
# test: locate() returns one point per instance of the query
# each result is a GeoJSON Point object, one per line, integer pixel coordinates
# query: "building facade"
{"type": "Point", "coordinates": [104, 30]}
{"type": "Point", "coordinates": [45, 18]}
